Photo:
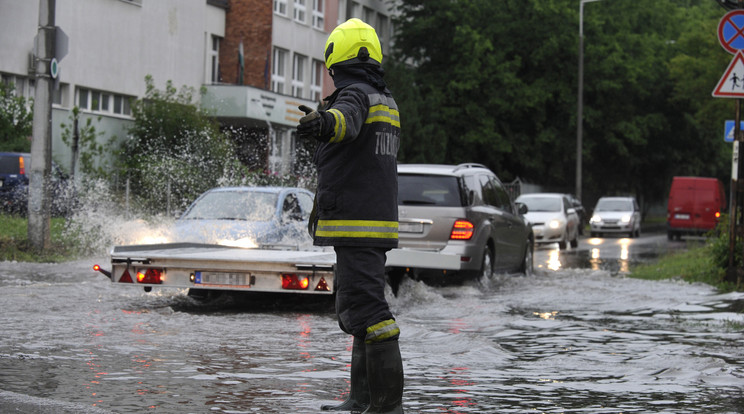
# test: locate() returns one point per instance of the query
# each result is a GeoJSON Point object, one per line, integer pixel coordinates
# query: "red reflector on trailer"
{"type": "Point", "coordinates": [292, 281]}
{"type": "Point", "coordinates": [323, 285]}
{"type": "Point", "coordinates": [152, 276]}
{"type": "Point", "coordinates": [462, 230]}
{"type": "Point", "coordinates": [125, 278]}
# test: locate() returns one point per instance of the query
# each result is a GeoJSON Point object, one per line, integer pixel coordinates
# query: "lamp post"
{"type": "Point", "coordinates": [580, 100]}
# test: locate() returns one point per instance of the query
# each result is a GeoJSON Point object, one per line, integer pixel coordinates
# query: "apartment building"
{"type": "Point", "coordinates": [257, 59]}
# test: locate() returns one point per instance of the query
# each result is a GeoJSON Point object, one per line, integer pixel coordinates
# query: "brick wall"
{"type": "Point", "coordinates": [249, 20]}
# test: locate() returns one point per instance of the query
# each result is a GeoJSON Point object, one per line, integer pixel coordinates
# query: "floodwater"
{"type": "Point", "coordinates": [576, 337]}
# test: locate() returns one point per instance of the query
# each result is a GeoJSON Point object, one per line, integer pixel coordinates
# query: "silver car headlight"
{"type": "Point", "coordinates": [555, 224]}
{"type": "Point", "coordinates": [595, 219]}
{"type": "Point", "coordinates": [625, 219]}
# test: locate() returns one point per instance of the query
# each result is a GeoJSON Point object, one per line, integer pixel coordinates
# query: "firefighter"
{"type": "Point", "coordinates": [356, 209]}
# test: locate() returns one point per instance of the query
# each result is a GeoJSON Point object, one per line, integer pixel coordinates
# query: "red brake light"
{"type": "Point", "coordinates": [293, 281]}
{"type": "Point", "coordinates": [718, 214]}
{"type": "Point", "coordinates": [462, 230]}
{"type": "Point", "coordinates": [152, 276]}
{"type": "Point", "coordinates": [21, 166]}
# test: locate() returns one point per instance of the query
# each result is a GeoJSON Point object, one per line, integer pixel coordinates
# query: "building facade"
{"type": "Point", "coordinates": [257, 59]}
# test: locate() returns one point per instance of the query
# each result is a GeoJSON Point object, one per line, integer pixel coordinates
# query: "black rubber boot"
{"type": "Point", "coordinates": [385, 375]}
{"type": "Point", "coordinates": [358, 399]}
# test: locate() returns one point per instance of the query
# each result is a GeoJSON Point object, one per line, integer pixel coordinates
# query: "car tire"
{"type": "Point", "coordinates": [564, 241]}
{"type": "Point", "coordinates": [528, 261]}
{"type": "Point", "coordinates": [485, 277]}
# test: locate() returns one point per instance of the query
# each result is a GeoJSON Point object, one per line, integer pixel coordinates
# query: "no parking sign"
{"type": "Point", "coordinates": [731, 37]}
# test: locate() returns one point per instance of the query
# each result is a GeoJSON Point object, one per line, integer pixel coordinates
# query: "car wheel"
{"type": "Point", "coordinates": [564, 240]}
{"type": "Point", "coordinates": [486, 272]}
{"type": "Point", "coordinates": [670, 236]}
{"type": "Point", "coordinates": [528, 262]}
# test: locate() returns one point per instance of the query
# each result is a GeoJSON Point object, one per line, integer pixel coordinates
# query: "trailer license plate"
{"type": "Point", "coordinates": [682, 216]}
{"type": "Point", "coordinates": [223, 278]}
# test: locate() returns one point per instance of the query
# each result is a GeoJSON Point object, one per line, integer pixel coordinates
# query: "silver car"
{"type": "Point", "coordinates": [616, 215]}
{"type": "Point", "coordinates": [553, 218]}
{"type": "Point", "coordinates": [461, 210]}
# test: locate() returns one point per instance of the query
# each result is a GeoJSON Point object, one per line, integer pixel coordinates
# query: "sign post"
{"type": "Point", "coordinates": [731, 85]}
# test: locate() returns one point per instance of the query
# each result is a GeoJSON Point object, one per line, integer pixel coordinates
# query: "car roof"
{"type": "Point", "coordinates": [542, 195]}
{"type": "Point", "coordinates": [441, 169]}
{"type": "Point", "coordinates": [618, 198]}
{"type": "Point", "coordinates": [25, 154]}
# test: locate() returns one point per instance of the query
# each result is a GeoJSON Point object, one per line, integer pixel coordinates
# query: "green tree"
{"type": "Point", "coordinates": [15, 120]}
{"type": "Point", "coordinates": [496, 83]}
{"type": "Point", "coordinates": [176, 151]}
{"type": "Point", "coordinates": [85, 146]}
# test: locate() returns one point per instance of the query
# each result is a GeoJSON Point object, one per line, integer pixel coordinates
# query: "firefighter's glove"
{"type": "Point", "coordinates": [311, 124]}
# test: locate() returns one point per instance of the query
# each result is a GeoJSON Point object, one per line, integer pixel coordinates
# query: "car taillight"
{"type": "Point", "coordinates": [293, 281]}
{"type": "Point", "coordinates": [718, 214]}
{"type": "Point", "coordinates": [152, 276]}
{"type": "Point", "coordinates": [462, 230]}
{"type": "Point", "coordinates": [21, 166]}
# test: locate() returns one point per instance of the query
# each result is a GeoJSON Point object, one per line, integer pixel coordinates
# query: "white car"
{"type": "Point", "coordinates": [616, 215]}
{"type": "Point", "coordinates": [553, 218]}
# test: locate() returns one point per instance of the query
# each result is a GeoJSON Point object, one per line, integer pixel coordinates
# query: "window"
{"type": "Point", "coordinates": [214, 56]}
{"type": "Point", "coordinates": [381, 28]}
{"type": "Point", "coordinates": [298, 69]}
{"type": "Point", "coordinates": [99, 101]}
{"type": "Point", "coordinates": [299, 10]}
{"type": "Point", "coordinates": [316, 80]}
{"type": "Point", "coordinates": [277, 70]}
{"type": "Point", "coordinates": [368, 15]}
{"type": "Point", "coordinates": [318, 14]}
{"type": "Point", "coordinates": [280, 7]}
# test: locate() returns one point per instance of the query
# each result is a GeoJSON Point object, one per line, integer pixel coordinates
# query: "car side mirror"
{"type": "Point", "coordinates": [571, 211]}
{"type": "Point", "coordinates": [522, 208]}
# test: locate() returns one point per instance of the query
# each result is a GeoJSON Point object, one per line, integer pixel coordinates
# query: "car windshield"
{"type": "Point", "coordinates": [432, 190]}
{"type": "Point", "coordinates": [614, 205]}
{"type": "Point", "coordinates": [541, 203]}
{"type": "Point", "coordinates": [234, 205]}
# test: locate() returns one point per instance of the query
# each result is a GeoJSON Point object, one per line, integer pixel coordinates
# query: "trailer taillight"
{"type": "Point", "coordinates": [151, 276]}
{"type": "Point", "coordinates": [462, 230]}
{"type": "Point", "coordinates": [293, 281]}
{"type": "Point", "coordinates": [125, 277]}
{"type": "Point", "coordinates": [718, 214]}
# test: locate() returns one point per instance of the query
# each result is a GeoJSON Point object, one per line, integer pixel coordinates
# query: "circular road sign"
{"type": "Point", "coordinates": [54, 68]}
{"type": "Point", "coordinates": [731, 31]}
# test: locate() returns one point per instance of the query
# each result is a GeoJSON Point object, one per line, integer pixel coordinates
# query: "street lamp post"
{"type": "Point", "coordinates": [580, 100]}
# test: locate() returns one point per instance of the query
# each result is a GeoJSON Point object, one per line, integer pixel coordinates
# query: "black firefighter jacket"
{"type": "Point", "coordinates": [357, 195]}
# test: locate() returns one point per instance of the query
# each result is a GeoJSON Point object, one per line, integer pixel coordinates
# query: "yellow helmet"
{"type": "Point", "coordinates": [352, 42]}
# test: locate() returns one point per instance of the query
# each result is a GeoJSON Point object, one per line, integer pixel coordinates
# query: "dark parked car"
{"type": "Point", "coordinates": [580, 211]}
{"type": "Point", "coordinates": [14, 180]}
{"type": "Point", "coordinates": [462, 210]}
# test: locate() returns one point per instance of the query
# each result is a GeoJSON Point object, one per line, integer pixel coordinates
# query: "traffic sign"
{"type": "Point", "coordinates": [728, 129]}
{"type": "Point", "coordinates": [54, 68]}
{"type": "Point", "coordinates": [731, 84]}
{"type": "Point", "coordinates": [731, 31]}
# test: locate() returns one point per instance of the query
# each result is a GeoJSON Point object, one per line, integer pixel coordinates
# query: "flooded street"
{"type": "Point", "coordinates": [577, 337]}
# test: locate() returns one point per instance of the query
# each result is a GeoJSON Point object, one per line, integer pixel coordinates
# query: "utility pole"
{"type": "Point", "coordinates": [39, 211]}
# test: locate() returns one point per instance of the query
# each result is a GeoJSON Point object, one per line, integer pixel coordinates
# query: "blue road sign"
{"type": "Point", "coordinates": [728, 130]}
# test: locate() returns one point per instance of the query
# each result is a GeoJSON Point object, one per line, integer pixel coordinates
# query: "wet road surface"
{"type": "Point", "coordinates": [578, 337]}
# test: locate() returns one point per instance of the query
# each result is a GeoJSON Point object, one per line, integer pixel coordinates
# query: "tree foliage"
{"type": "Point", "coordinates": [16, 120]}
{"type": "Point", "coordinates": [496, 83]}
{"type": "Point", "coordinates": [176, 151]}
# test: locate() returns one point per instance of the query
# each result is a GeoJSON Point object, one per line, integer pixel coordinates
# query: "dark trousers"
{"type": "Point", "coordinates": [360, 288]}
